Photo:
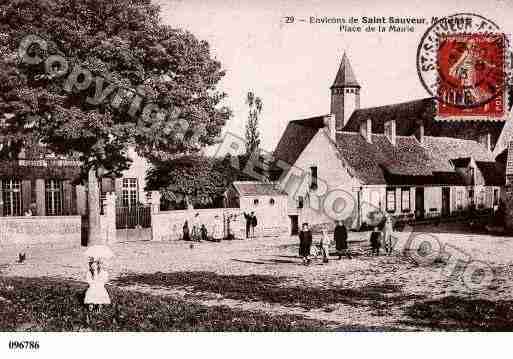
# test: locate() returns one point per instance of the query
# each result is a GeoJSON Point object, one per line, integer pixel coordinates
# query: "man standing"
{"type": "Point", "coordinates": [248, 223]}
{"type": "Point", "coordinates": [340, 236]}
{"type": "Point", "coordinates": [305, 242]}
{"type": "Point", "coordinates": [253, 224]}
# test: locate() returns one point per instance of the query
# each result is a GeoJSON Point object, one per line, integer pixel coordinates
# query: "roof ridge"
{"type": "Point", "coordinates": [347, 132]}
{"type": "Point", "coordinates": [392, 104]}
{"type": "Point", "coordinates": [311, 118]}
{"type": "Point", "coordinates": [455, 139]}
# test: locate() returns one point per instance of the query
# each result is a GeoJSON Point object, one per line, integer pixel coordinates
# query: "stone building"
{"type": "Point", "coordinates": [397, 158]}
{"type": "Point", "coordinates": [267, 200]}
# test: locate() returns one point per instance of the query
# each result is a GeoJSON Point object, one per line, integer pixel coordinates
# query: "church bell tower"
{"type": "Point", "coordinates": [345, 94]}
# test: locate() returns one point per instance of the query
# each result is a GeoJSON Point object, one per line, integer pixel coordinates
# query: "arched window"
{"type": "Point", "coordinates": [271, 202]}
{"type": "Point", "coordinates": [255, 202]}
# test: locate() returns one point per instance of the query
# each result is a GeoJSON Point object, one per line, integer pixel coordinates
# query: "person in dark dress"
{"type": "Point", "coordinates": [305, 243]}
{"type": "Point", "coordinates": [375, 241]}
{"type": "Point", "coordinates": [340, 237]}
{"type": "Point", "coordinates": [248, 223]}
{"type": "Point", "coordinates": [203, 233]}
{"type": "Point", "coordinates": [254, 223]}
{"type": "Point", "coordinates": [186, 234]}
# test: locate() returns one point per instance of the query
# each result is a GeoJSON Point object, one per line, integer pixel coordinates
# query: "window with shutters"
{"type": "Point", "coordinates": [129, 192]}
{"type": "Point", "coordinates": [11, 195]}
{"type": "Point", "coordinates": [459, 200]}
{"type": "Point", "coordinates": [313, 177]}
{"type": "Point", "coordinates": [300, 202]}
{"type": "Point", "coordinates": [53, 197]}
{"type": "Point", "coordinates": [405, 199]}
{"type": "Point", "coordinates": [390, 198]}
{"type": "Point", "coordinates": [471, 197]}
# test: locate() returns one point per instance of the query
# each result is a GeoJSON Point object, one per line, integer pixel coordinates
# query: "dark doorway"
{"type": "Point", "coordinates": [419, 202]}
{"type": "Point", "coordinates": [446, 200]}
{"type": "Point", "coordinates": [85, 231]}
{"type": "Point", "coordinates": [294, 225]}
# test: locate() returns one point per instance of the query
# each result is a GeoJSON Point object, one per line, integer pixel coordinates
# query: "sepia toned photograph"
{"type": "Point", "coordinates": [274, 166]}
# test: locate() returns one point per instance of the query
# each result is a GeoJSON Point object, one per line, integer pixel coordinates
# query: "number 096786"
{"type": "Point", "coordinates": [24, 345]}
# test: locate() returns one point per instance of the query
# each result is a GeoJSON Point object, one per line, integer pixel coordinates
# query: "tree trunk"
{"type": "Point", "coordinates": [93, 194]}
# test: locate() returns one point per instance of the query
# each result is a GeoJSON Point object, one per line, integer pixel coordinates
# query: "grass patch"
{"type": "Point", "coordinates": [455, 313]}
{"type": "Point", "coordinates": [44, 304]}
{"type": "Point", "coordinates": [271, 289]}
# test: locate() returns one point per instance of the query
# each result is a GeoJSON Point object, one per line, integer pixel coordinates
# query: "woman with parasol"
{"type": "Point", "coordinates": [96, 276]}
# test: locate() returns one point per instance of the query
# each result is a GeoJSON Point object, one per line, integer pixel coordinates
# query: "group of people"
{"type": "Point", "coordinates": [251, 223]}
{"type": "Point", "coordinates": [199, 231]}
{"type": "Point", "coordinates": [378, 238]}
{"type": "Point", "coordinates": [195, 230]}
{"type": "Point", "coordinates": [339, 237]}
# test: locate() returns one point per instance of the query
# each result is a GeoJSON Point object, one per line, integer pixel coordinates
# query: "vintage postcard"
{"type": "Point", "coordinates": [236, 166]}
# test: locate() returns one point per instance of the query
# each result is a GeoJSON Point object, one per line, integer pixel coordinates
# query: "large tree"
{"type": "Point", "coordinates": [203, 180]}
{"type": "Point", "coordinates": [255, 105]}
{"type": "Point", "coordinates": [176, 107]}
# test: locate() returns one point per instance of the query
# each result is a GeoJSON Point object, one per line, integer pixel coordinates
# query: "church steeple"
{"type": "Point", "coordinates": [345, 93]}
{"type": "Point", "coordinates": [345, 75]}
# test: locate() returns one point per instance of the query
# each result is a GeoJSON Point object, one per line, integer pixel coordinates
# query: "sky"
{"type": "Point", "coordinates": [291, 66]}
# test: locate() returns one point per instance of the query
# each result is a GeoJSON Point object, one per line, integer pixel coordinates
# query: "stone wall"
{"type": "Point", "coordinates": [39, 230]}
{"type": "Point", "coordinates": [168, 225]}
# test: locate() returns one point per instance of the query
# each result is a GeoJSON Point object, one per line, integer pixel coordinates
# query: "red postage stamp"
{"type": "Point", "coordinates": [461, 61]}
{"type": "Point", "coordinates": [471, 70]}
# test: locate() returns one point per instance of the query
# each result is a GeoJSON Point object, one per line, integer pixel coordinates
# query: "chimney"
{"type": "Point", "coordinates": [366, 130]}
{"type": "Point", "coordinates": [390, 131]}
{"type": "Point", "coordinates": [330, 123]}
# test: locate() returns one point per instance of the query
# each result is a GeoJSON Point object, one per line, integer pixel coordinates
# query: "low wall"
{"type": "Point", "coordinates": [40, 230]}
{"type": "Point", "coordinates": [168, 225]}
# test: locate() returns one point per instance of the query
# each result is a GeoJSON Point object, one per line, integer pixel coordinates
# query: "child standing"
{"type": "Point", "coordinates": [324, 244]}
{"type": "Point", "coordinates": [375, 241]}
{"type": "Point", "coordinates": [96, 294]}
{"type": "Point", "coordinates": [217, 230]}
{"type": "Point", "coordinates": [388, 230]}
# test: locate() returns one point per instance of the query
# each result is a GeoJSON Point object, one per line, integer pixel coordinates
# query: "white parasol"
{"type": "Point", "coordinates": [99, 251]}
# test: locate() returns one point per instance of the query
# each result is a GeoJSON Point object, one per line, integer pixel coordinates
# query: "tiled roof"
{"type": "Point", "coordinates": [406, 158]}
{"type": "Point", "coordinates": [252, 188]}
{"type": "Point", "coordinates": [406, 114]}
{"type": "Point", "coordinates": [361, 156]}
{"type": "Point", "coordinates": [407, 162]}
{"type": "Point", "coordinates": [296, 137]}
{"type": "Point", "coordinates": [409, 115]}
{"type": "Point", "coordinates": [373, 162]}
{"type": "Point", "coordinates": [345, 75]}
{"type": "Point", "coordinates": [410, 163]}
{"type": "Point", "coordinates": [444, 149]}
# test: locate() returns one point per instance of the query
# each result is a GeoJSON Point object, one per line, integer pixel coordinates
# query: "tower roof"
{"type": "Point", "coordinates": [345, 75]}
